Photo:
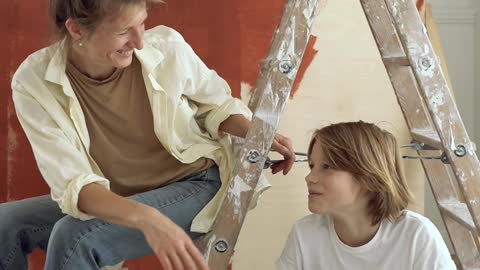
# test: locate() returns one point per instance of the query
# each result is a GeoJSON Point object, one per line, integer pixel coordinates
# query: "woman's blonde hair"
{"type": "Point", "coordinates": [372, 156]}
{"type": "Point", "coordinates": [87, 13]}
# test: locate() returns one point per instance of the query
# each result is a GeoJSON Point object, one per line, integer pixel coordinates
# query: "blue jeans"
{"type": "Point", "coordinates": [72, 244]}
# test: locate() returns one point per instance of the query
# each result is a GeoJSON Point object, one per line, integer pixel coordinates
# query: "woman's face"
{"type": "Point", "coordinates": [332, 191]}
{"type": "Point", "coordinates": [112, 43]}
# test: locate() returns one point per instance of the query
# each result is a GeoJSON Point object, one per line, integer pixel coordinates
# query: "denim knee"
{"type": "Point", "coordinates": [10, 217]}
{"type": "Point", "coordinates": [72, 244]}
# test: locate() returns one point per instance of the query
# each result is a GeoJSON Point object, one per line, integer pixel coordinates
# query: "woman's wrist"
{"type": "Point", "coordinates": [141, 218]}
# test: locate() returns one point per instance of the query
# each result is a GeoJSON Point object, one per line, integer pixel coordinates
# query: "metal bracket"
{"type": "Point", "coordinates": [419, 146]}
{"type": "Point", "coordinates": [460, 151]}
{"type": "Point", "coordinates": [269, 162]}
{"type": "Point", "coordinates": [443, 158]}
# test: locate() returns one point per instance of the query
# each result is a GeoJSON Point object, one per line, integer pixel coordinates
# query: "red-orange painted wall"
{"type": "Point", "coordinates": [230, 36]}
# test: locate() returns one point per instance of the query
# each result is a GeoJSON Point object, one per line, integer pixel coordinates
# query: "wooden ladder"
{"type": "Point", "coordinates": [272, 90]}
{"type": "Point", "coordinates": [439, 136]}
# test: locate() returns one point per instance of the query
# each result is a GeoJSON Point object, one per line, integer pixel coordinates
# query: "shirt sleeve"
{"type": "Point", "coordinates": [291, 258]}
{"type": "Point", "coordinates": [209, 91]}
{"type": "Point", "coordinates": [432, 252]}
{"type": "Point", "coordinates": [62, 164]}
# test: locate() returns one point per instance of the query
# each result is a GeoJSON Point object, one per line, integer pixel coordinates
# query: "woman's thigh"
{"type": "Point", "coordinates": [109, 244]}
{"type": "Point", "coordinates": [30, 219]}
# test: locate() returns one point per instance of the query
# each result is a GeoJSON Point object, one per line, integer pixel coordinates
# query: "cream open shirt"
{"type": "Point", "coordinates": [180, 88]}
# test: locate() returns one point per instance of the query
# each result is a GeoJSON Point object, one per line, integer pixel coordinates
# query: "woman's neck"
{"type": "Point", "coordinates": [87, 66]}
{"type": "Point", "coordinates": [355, 229]}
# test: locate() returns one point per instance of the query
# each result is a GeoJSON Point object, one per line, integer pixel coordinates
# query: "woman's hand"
{"type": "Point", "coordinates": [283, 145]}
{"type": "Point", "coordinates": [172, 246]}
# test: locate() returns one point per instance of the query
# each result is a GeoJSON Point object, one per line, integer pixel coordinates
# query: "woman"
{"type": "Point", "coordinates": [128, 131]}
{"type": "Point", "coordinates": [358, 194]}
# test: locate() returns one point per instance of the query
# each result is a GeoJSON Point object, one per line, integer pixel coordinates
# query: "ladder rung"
{"type": "Point", "coordinates": [397, 60]}
{"type": "Point", "coordinates": [458, 211]}
{"type": "Point", "coordinates": [429, 137]}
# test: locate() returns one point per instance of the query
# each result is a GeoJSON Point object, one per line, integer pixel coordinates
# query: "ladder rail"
{"type": "Point", "coordinates": [441, 106]}
{"type": "Point", "coordinates": [277, 74]}
{"type": "Point", "coordinates": [420, 124]}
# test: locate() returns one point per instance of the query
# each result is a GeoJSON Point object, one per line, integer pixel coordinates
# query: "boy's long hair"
{"type": "Point", "coordinates": [372, 156]}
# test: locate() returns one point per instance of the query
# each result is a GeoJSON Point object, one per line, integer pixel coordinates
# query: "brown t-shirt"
{"type": "Point", "coordinates": [122, 139]}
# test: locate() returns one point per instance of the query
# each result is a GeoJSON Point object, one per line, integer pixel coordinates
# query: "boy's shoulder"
{"type": "Point", "coordinates": [312, 223]}
{"type": "Point", "coordinates": [413, 224]}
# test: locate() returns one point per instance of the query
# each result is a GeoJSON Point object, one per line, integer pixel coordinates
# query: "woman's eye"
{"type": "Point", "coordinates": [326, 166]}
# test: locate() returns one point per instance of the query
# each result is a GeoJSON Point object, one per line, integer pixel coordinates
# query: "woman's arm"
{"type": "Point", "coordinates": [238, 125]}
{"type": "Point", "coordinates": [83, 194]}
{"type": "Point", "coordinates": [167, 240]}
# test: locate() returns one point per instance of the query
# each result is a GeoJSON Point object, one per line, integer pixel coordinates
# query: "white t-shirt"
{"type": "Point", "coordinates": [410, 243]}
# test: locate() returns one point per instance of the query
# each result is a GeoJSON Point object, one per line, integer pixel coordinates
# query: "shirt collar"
{"type": "Point", "coordinates": [55, 72]}
{"type": "Point", "coordinates": [149, 57]}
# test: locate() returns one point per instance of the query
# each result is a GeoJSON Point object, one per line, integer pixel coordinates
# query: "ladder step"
{"type": "Point", "coordinates": [458, 211]}
{"type": "Point", "coordinates": [396, 60]}
{"type": "Point", "coordinates": [428, 137]}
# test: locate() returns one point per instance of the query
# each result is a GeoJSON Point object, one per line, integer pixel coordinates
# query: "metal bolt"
{"type": "Point", "coordinates": [425, 62]}
{"type": "Point", "coordinates": [285, 67]}
{"type": "Point", "coordinates": [460, 151]}
{"type": "Point", "coordinates": [253, 156]}
{"type": "Point", "coordinates": [444, 158]}
{"type": "Point", "coordinates": [221, 246]}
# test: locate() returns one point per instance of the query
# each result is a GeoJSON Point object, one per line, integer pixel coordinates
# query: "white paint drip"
{"type": "Point", "coordinates": [267, 117]}
{"type": "Point", "coordinates": [209, 247]}
{"type": "Point", "coordinates": [395, 9]}
{"type": "Point", "coordinates": [453, 145]}
{"type": "Point", "coordinates": [430, 70]}
{"type": "Point", "coordinates": [245, 92]}
{"type": "Point", "coordinates": [424, 29]}
{"type": "Point", "coordinates": [473, 202]}
{"type": "Point", "coordinates": [438, 99]}
{"type": "Point", "coordinates": [235, 193]}
{"type": "Point", "coordinates": [471, 148]}
{"type": "Point", "coordinates": [461, 176]}
{"type": "Point", "coordinates": [12, 144]}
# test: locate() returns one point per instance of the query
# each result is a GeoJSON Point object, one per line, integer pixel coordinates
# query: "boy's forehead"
{"type": "Point", "coordinates": [317, 154]}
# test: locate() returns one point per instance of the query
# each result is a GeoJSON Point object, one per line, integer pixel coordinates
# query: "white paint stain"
{"type": "Point", "coordinates": [266, 116]}
{"type": "Point", "coordinates": [209, 247]}
{"type": "Point", "coordinates": [473, 202]}
{"type": "Point", "coordinates": [395, 9]}
{"type": "Point", "coordinates": [451, 135]}
{"type": "Point", "coordinates": [460, 176]}
{"type": "Point", "coordinates": [245, 91]}
{"type": "Point", "coordinates": [12, 144]}
{"type": "Point", "coordinates": [235, 193]}
{"type": "Point", "coordinates": [438, 99]}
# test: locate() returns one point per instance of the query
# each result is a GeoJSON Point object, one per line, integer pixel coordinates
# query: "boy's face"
{"type": "Point", "coordinates": [331, 191]}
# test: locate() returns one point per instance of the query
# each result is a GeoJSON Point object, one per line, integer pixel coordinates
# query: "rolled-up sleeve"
{"type": "Point", "coordinates": [64, 167]}
{"type": "Point", "coordinates": [212, 93]}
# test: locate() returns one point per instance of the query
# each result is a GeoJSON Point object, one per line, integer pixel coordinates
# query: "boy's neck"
{"type": "Point", "coordinates": [355, 230]}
